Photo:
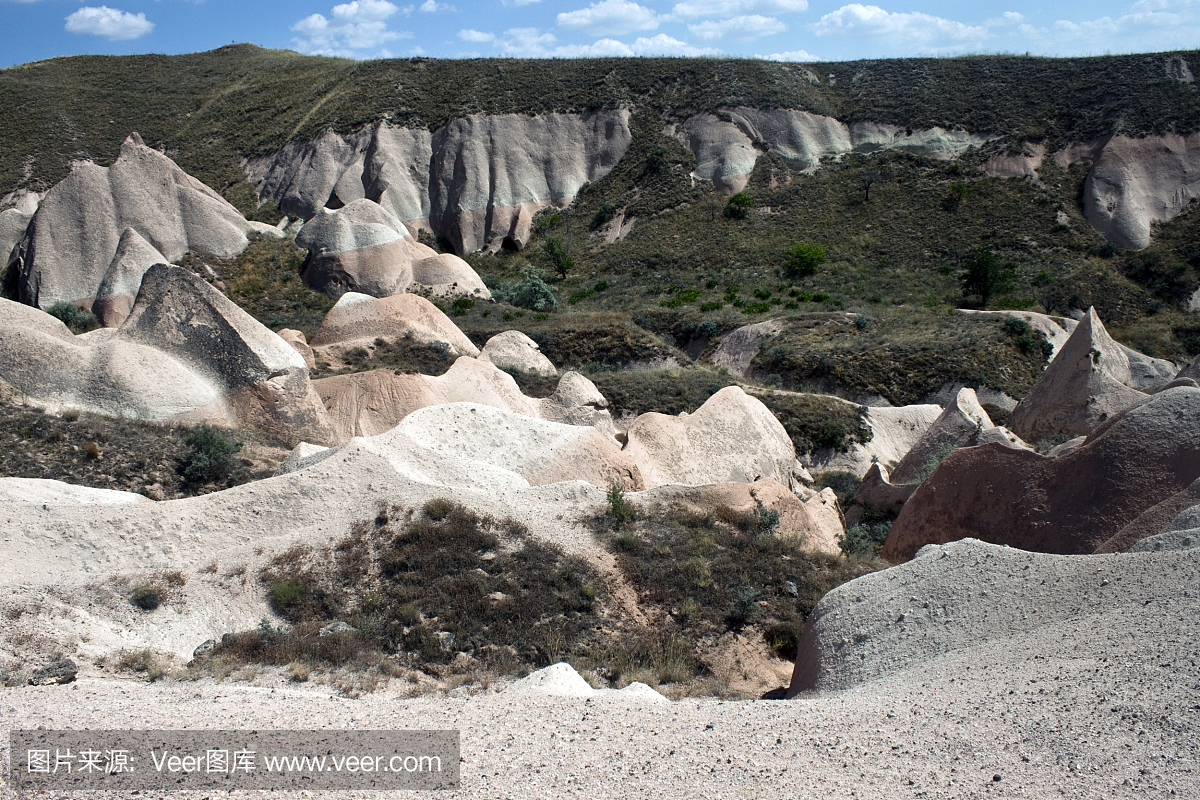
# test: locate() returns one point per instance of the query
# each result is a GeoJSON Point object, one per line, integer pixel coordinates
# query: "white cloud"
{"type": "Point", "coordinates": [790, 55]}
{"type": "Point", "coordinates": [470, 35]}
{"type": "Point", "coordinates": [525, 43]}
{"type": "Point", "coordinates": [741, 29]}
{"type": "Point", "coordinates": [433, 6]}
{"type": "Point", "coordinates": [1147, 26]}
{"type": "Point", "coordinates": [111, 23]}
{"type": "Point", "coordinates": [519, 3]}
{"type": "Point", "coordinates": [910, 31]}
{"type": "Point", "coordinates": [610, 17]}
{"type": "Point", "coordinates": [727, 8]}
{"type": "Point", "coordinates": [355, 30]}
{"type": "Point", "coordinates": [663, 45]}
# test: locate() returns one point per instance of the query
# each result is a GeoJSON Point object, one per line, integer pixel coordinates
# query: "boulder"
{"type": "Point", "coordinates": [732, 437]}
{"type": "Point", "coordinates": [1166, 515]}
{"type": "Point", "coordinates": [358, 320]}
{"type": "Point", "coordinates": [13, 224]}
{"type": "Point", "coordinates": [739, 347]}
{"type": "Point", "coordinates": [515, 350]}
{"type": "Point", "coordinates": [1069, 504]}
{"type": "Point", "coordinates": [447, 275]}
{"type": "Point", "coordinates": [58, 672]}
{"type": "Point", "coordinates": [75, 234]}
{"type": "Point", "coordinates": [1191, 371]}
{"type": "Point", "coordinates": [1084, 385]}
{"type": "Point", "coordinates": [123, 278]}
{"type": "Point", "coordinates": [969, 594]}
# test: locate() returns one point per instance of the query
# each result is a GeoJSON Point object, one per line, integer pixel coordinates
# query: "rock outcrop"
{"type": "Point", "coordinates": [1068, 504]}
{"type": "Point", "coordinates": [894, 431]}
{"type": "Point", "coordinates": [123, 278]}
{"type": "Point", "coordinates": [363, 248]}
{"type": "Point", "coordinates": [963, 423]}
{"type": "Point", "coordinates": [371, 403]}
{"type": "Point", "coordinates": [739, 347]}
{"type": "Point", "coordinates": [475, 182]}
{"type": "Point", "coordinates": [74, 236]}
{"type": "Point", "coordinates": [186, 354]}
{"type": "Point", "coordinates": [515, 350]}
{"type": "Point", "coordinates": [358, 320]}
{"type": "Point", "coordinates": [40, 490]}
{"type": "Point", "coordinates": [727, 146]}
{"type": "Point", "coordinates": [297, 342]}
{"type": "Point", "coordinates": [732, 437]}
{"type": "Point", "coordinates": [1085, 384]}
{"type": "Point", "coordinates": [967, 594]}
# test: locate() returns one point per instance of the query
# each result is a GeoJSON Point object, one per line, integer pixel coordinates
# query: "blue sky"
{"type": "Point", "coordinates": [788, 30]}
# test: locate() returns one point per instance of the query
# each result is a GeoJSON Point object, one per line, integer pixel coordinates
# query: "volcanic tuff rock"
{"type": "Point", "coordinates": [878, 493]}
{"type": "Point", "coordinates": [363, 248]}
{"type": "Point", "coordinates": [40, 490]}
{"type": "Point", "coordinates": [119, 287]}
{"type": "Point", "coordinates": [965, 594]}
{"type": "Point", "coordinates": [732, 437]}
{"type": "Point", "coordinates": [516, 350]}
{"type": "Point", "coordinates": [298, 343]}
{"type": "Point", "coordinates": [74, 236]}
{"type": "Point", "coordinates": [1085, 384]}
{"type": "Point", "coordinates": [894, 431]}
{"type": "Point", "coordinates": [357, 320]}
{"type": "Point", "coordinates": [1071, 503]}
{"type": "Point", "coordinates": [727, 146]}
{"type": "Point", "coordinates": [186, 353]}
{"type": "Point", "coordinates": [371, 403]}
{"type": "Point", "coordinates": [475, 182]}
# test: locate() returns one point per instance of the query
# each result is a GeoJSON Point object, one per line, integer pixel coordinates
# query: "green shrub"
{"type": "Point", "coordinates": [620, 509]}
{"type": "Point", "coordinates": [211, 459]}
{"type": "Point", "coordinates": [864, 538]}
{"type": "Point", "coordinates": [286, 594]}
{"type": "Point", "coordinates": [757, 307]}
{"type": "Point", "coordinates": [984, 274]}
{"type": "Point", "coordinates": [147, 598]}
{"type": "Point", "coordinates": [802, 259]}
{"type": "Point", "coordinates": [79, 320]}
{"type": "Point", "coordinates": [739, 206]}
{"type": "Point", "coordinates": [555, 250]}
{"type": "Point", "coordinates": [461, 306]}
{"type": "Point", "coordinates": [530, 291]}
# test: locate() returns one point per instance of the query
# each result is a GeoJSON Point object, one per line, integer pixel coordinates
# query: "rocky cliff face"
{"type": "Point", "coordinates": [727, 146]}
{"type": "Point", "coordinates": [475, 182]}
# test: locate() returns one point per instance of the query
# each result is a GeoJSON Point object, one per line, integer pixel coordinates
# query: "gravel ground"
{"type": "Point", "coordinates": [1104, 706]}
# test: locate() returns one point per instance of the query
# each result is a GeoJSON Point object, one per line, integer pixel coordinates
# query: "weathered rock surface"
{"type": "Point", "coordinates": [371, 403]}
{"type": "Point", "coordinates": [1084, 385]}
{"type": "Point", "coordinates": [13, 224]}
{"type": "Point", "coordinates": [61, 671]}
{"type": "Point", "coordinates": [185, 354]}
{"type": "Point", "coordinates": [297, 342]}
{"type": "Point", "coordinates": [475, 182]}
{"type": "Point", "coordinates": [357, 320]}
{"type": "Point", "coordinates": [40, 490]}
{"type": "Point", "coordinates": [726, 149]}
{"type": "Point", "coordinates": [963, 423]}
{"type": "Point", "coordinates": [878, 493]}
{"type": "Point", "coordinates": [363, 248]}
{"type": "Point", "coordinates": [739, 347]}
{"type": "Point", "coordinates": [816, 523]}
{"type": "Point", "coordinates": [966, 594]}
{"type": "Point", "coordinates": [732, 437]}
{"type": "Point", "coordinates": [123, 278]}
{"type": "Point", "coordinates": [1135, 183]}
{"type": "Point", "coordinates": [894, 431]}
{"type": "Point", "coordinates": [74, 236]}
{"type": "Point", "coordinates": [1069, 504]}
{"type": "Point", "coordinates": [515, 350]}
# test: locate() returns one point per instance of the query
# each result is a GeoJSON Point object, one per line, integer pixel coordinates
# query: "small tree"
{"type": "Point", "coordinates": [867, 179]}
{"type": "Point", "coordinates": [985, 275]}
{"type": "Point", "coordinates": [739, 206]}
{"type": "Point", "coordinates": [529, 292]}
{"type": "Point", "coordinates": [802, 259]}
{"type": "Point", "coordinates": [556, 251]}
